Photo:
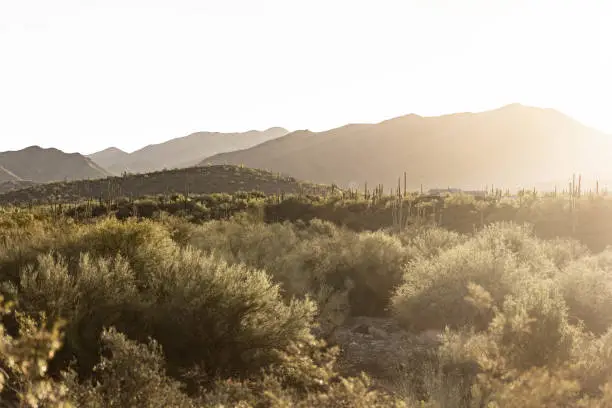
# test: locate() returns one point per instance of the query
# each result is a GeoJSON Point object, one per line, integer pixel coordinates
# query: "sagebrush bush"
{"type": "Point", "coordinates": [591, 364]}
{"type": "Point", "coordinates": [231, 318]}
{"type": "Point", "coordinates": [128, 375]}
{"type": "Point", "coordinates": [531, 328]}
{"type": "Point", "coordinates": [95, 293]}
{"type": "Point", "coordinates": [143, 244]}
{"type": "Point", "coordinates": [24, 359]}
{"type": "Point", "coordinates": [430, 241]}
{"type": "Point", "coordinates": [319, 259]}
{"type": "Point", "coordinates": [306, 377]}
{"type": "Point", "coordinates": [501, 259]}
{"type": "Point", "coordinates": [526, 350]}
{"type": "Point", "coordinates": [586, 285]}
{"type": "Point", "coordinates": [562, 251]}
{"type": "Point", "coordinates": [132, 374]}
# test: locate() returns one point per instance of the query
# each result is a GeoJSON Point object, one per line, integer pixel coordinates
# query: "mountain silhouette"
{"type": "Point", "coordinates": [182, 152]}
{"type": "Point", "coordinates": [512, 146]}
{"type": "Point", "coordinates": [40, 165]}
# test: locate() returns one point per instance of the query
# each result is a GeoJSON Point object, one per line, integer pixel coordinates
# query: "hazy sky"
{"type": "Point", "coordinates": [83, 75]}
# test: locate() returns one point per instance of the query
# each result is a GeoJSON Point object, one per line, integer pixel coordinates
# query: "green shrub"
{"type": "Point", "coordinates": [563, 251]}
{"type": "Point", "coordinates": [527, 351]}
{"type": "Point", "coordinates": [95, 293]}
{"type": "Point", "coordinates": [428, 242]}
{"type": "Point", "coordinates": [501, 259]}
{"type": "Point", "coordinates": [231, 318]}
{"type": "Point", "coordinates": [591, 363]}
{"type": "Point", "coordinates": [586, 285]}
{"type": "Point", "coordinates": [305, 378]}
{"type": "Point", "coordinates": [24, 360]}
{"type": "Point", "coordinates": [128, 375]}
{"type": "Point", "coordinates": [531, 329]}
{"type": "Point", "coordinates": [318, 259]}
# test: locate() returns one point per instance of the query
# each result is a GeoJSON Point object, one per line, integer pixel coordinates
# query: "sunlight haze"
{"type": "Point", "coordinates": [86, 75]}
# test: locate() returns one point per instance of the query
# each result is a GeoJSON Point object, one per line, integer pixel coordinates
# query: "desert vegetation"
{"type": "Point", "coordinates": [164, 183]}
{"type": "Point", "coordinates": [348, 299]}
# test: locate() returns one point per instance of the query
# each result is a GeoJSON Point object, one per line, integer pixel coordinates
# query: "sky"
{"type": "Point", "coordinates": [83, 75]}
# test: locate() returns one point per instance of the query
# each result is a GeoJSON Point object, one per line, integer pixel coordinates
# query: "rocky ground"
{"type": "Point", "coordinates": [383, 350]}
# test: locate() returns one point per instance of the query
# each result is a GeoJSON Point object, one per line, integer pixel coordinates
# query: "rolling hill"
{"type": "Point", "coordinates": [194, 180]}
{"type": "Point", "coordinates": [6, 186]}
{"type": "Point", "coordinates": [512, 146]}
{"type": "Point", "coordinates": [182, 152]}
{"type": "Point", "coordinates": [39, 165]}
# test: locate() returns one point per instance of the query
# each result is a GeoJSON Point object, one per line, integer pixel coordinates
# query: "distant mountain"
{"type": "Point", "coordinates": [512, 146]}
{"type": "Point", "coordinates": [40, 165]}
{"type": "Point", "coordinates": [182, 152]}
{"type": "Point", "coordinates": [107, 157]}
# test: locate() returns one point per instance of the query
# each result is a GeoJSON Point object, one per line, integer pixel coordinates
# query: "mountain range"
{"type": "Point", "coordinates": [512, 146]}
{"type": "Point", "coordinates": [181, 152]}
{"type": "Point", "coordinates": [35, 164]}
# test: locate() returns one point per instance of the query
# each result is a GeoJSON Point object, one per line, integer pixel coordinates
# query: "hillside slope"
{"type": "Point", "coordinates": [107, 157]}
{"type": "Point", "coordinates": [193, 180]}
{"type": "Point", "coordinates": [6, 186]}
{"type": "Point", "coordinates": [7, 175]}
{"type": "Point", "coordinates": [511, 146]}
{"type": "Point", "coordinates": [184, 151]}
{"type": "Point", "coordinates": [45, 165]}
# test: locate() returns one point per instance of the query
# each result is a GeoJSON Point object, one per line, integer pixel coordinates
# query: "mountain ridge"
{"type": "Point", "coordinates": [181, 152]}
{"type": "Point", "coordinates": [42, 165]}
{"type": "Point", "coordinates": [513, 145]}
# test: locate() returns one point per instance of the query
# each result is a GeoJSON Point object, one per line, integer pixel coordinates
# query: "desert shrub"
{"type": "Point", "coordinates": [318, 259]}
{"type": "Point", "coordinates": [587, 288]}
{"type": "Point", "coordinates": [529, 347]}
{"type": "Point", "coordinates": [231, 318]}
{"type": "Point", "coordinates": [129, 375]}
{"type": "Point", "coordinates": [591, 363]}
{"type": "Point", "coordinates": [375, 263]}
{"type": "Point", "coordinates": [520, 242]}
{"type": "Point", "coordinates": [240, 241]}
{"type": "Point", "coordinates": [298, 258]}
{"type": "Point", "coordinates": [430, 241]}
{"type": "Point", "coordinates": [24, 359]}
{"type": "Point", "coordinates": [306, 377]}
{"type": "Point", "coordinates": [531, 329]}
{"type": "Point", "coordinates": [537, 387]}
{"type": "Point", "coordinates": [563, 251]}
{"type": "Point", "coordinates": [434, 291]}
{"type": "Point", "coordinates": [501, 259]}
{"type": "Point", "coordinates": [143, 244]}
{"type": "Point", "coordinates": [95, 293]}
